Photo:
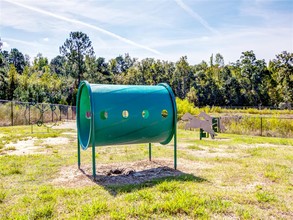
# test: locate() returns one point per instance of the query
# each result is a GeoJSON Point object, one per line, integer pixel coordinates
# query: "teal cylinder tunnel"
{"type": "Point", "coordinates": [125, 114]}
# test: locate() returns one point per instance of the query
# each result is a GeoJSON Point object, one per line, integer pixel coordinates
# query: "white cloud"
{"type": "Point", "coordinates": [88, 25]}
{"type": "Point", "coordinates": [146, 27]}
{"type": "Point", "coordinates": [5, 45]}
{"type": "Point", "coordinates": [196, 16]}
{"type": "Point", "coordinates": [12, 40]}
{"type": "Point", "coordinates": [265, 42]}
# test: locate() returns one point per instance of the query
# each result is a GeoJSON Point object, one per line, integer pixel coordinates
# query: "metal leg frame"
{"type": "Point", "coordinates": [78, 153]}
{"type": "Point", "coordinates": [94, 156]}
{"type": "Point", "coordinates": [150, 151]}
{"type": "Point", "coordinates": [175, 147]}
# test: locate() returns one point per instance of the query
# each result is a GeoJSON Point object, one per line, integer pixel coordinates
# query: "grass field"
{"type": "Point", "coordinates": [231, 177]}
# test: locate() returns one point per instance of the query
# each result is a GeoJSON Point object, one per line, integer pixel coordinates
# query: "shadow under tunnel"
{"type": "Point", "coordinates": [128, 178]}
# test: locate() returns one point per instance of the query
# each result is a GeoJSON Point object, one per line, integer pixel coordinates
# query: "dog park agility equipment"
{"type": "Point", "coordinates": [208, 126]}
{"type": "Point", "coordinates": [125, 114]}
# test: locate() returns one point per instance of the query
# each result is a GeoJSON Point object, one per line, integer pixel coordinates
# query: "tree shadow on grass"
{"type": "Point", "coordinates": [126, 179]}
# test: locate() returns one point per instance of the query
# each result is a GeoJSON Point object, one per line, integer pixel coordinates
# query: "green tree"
{"type": "Point", "coordinates": [3, 72]}
{"type": "Point", "coordinates": [282, 68]}
{"type": "Point", "coordinates": [22, 91]}
{"type": "Point", "coordinates": [144, 67]}
{"type": "Point", "coordinates": [219, 60]}
{"type": "Point", "coordinates": [75, 49]}
{"type": "Point", "coordinates": [230, 88]}
{"type": "Point", "coordinates": [168, 70]}
{"type": "Point", "coordinates": [119, 66]}
{"type": "Point", "coordinates": [40, 62]}
{"type": "Point", "coordinates": [253, 74]}
{"type": "Point", "coordinates": [12, 81]}
{"type": "Point", "coordinates": [182, 77]}
{"type": "Point", "coordinates": [17, 59]}
{"type": "Point", "coordinates": [133, 77]}
{"type": "Point", "coordinates": [3, 77]}
{"type": "Point", "coordinates": [103, 71]}
{"type": "Point", "coordinates": [57, 65]}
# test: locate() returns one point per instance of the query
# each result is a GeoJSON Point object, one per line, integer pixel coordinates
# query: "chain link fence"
{"type": "Point", "coordinates": [269, 126]}
{"type": "Point", "coordinates": [27, 113]}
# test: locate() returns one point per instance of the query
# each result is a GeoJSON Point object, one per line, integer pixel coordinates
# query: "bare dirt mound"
{"type": "Point", "coordinates": [121, 173]}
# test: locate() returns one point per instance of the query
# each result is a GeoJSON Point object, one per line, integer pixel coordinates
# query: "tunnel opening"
{"type": "Point", "coordinates": [84, 116]}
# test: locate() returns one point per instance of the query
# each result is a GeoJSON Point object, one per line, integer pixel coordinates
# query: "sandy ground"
{"type": "Point", "coordinates": [66, 125]}
{"type": "Point", "coordinates": [38, 146]}
{"type": "Point", "coordinates": [23, 148]}
{"type": "Point", "coordinates": [125, 173]}
{"type": "Point", "coordinates": [34, 146]}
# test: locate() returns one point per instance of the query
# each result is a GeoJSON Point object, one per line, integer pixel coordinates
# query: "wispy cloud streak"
{"type": "Point", "coordinates": [195, 16]}
{"type": "Point", "coordinates": [70, 20]}
{"type": "Point", "coordinates": [19, 41]}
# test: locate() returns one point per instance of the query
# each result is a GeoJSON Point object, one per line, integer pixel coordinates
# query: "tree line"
{"type": "Point", "coordinates": [246, 82]}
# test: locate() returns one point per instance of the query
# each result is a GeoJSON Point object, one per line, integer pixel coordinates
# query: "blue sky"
{"type": "Point", "coordinates": [163, 29]}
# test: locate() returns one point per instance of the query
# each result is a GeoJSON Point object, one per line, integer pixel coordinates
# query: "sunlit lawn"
{"type": "Point", "coordinates": [233, 176]}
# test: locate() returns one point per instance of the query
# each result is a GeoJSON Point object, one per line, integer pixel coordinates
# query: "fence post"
{"type": "Point", "coordinates": [11, 113]}
{"type": "Point", "coordinates": [42, 113]}
{"type": "Point", "coordinates": [29, 113]}
{"type": "Point", "coordinates": [52, 113]}
{"type": "Point", "coordinates": [260, 126]}
{"type": "Point", "coordinates": [60, 111]}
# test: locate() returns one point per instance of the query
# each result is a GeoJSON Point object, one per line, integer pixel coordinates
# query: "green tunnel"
{"type": "Point", "coordinates": [125, 114]}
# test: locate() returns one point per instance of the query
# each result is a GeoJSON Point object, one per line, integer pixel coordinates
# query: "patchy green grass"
{"type": "Point", "coordinates": [233, 176]}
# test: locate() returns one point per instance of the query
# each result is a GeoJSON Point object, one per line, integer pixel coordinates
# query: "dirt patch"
{"type": "Point", "coordinates": [66, 125]}
{"type": "Point", "coordinates": [248, 146]}
{"type": "Point", "coordinates": [252, 186]}
{"type": "Point", "coordinates": [70, 133]}
{"type": "Point", "coordinates": [271, 145]}
{"type": "Point", "coordinates": [27, 147]}
{"type": "Point", "coordinates": [55, 141]}
{"type": "Point", "coordinates": [192, 167]}
{"type": "Point", "coordinates": [216, 139]}
{"type": "Point", "coordinates": [73, 177]}
{"type": "Point", "coordinates": [185, 145]}
{"type": "Point", "coordinates": [213, 153]}
{"type": "Point", "coordinates": [23, 147]}
{"type": "Point", "coordinates": [125, 173]}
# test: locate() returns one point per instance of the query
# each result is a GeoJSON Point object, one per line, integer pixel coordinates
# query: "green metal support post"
{"type": "Point", "coordinates": [78, 153]}
{"type": "Point", "coordinates": [94, 160]}
{"type": "Point", "coordinates": [93, 147]}
{"type": "Point", "coordinates": [175, 144]}
{"type": "Point", "coordinates": [150, 151]}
